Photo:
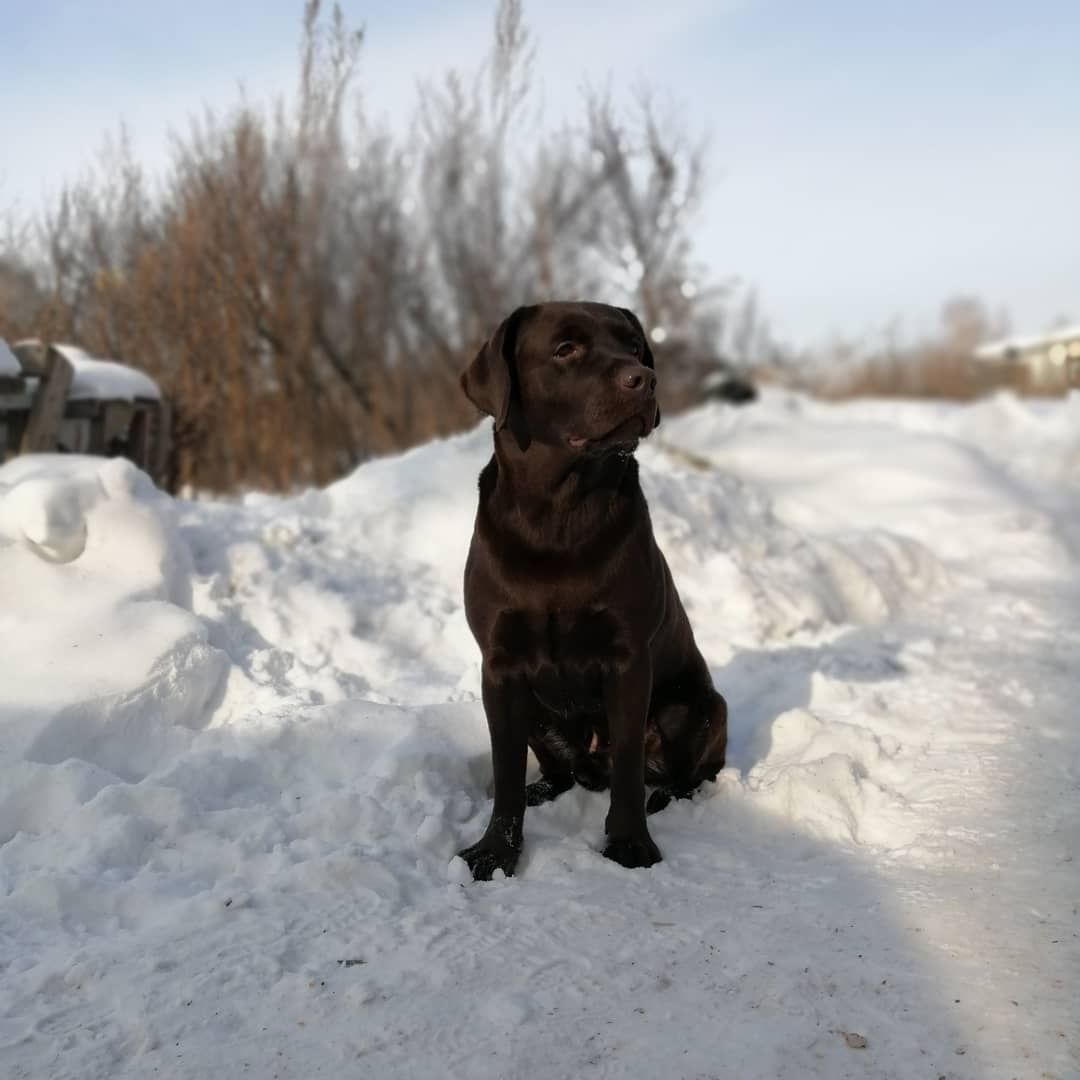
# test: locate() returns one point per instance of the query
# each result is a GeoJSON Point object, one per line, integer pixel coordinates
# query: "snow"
{"type": "Point", "coordinates": [9, 365]}
{"type": "Point", "coordinates": [240, 742]}
{"type": "Point", "coordinates": [106, 379]}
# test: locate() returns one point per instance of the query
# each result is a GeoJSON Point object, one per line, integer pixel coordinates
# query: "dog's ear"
{"type": "Point", "coordinates": [489, 380]}
{"type": "Point", "coordinates": [646, 355]}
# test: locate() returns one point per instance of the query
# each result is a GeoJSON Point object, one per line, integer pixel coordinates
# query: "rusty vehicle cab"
{"type": "Point", "coordinates": [60, 399]}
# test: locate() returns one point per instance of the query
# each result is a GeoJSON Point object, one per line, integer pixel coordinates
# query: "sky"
{"type": "Point", "coordinates": [867, 158]}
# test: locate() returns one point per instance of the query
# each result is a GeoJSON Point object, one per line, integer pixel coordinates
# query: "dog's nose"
{"type": "Point", "coordinates": [638, 379]}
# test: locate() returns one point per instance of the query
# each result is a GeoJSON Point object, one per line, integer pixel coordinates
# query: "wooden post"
{"type": "Point", "coordinates": [47, 411]}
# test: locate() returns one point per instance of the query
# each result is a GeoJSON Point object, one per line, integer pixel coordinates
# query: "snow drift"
{"type": "Point", "coordinates": [240, 742]}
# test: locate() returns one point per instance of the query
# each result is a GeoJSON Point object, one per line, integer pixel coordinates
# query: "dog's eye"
{"type": "Point", "coordinates": [565, 349]}
{"type": "Point", "coordinates": [635, 348]}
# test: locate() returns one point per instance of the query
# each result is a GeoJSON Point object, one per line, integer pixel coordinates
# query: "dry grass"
{"type": "Point", "coordinates": [928, 376]}
{"type": "Point", "coordinates": [941, 366]}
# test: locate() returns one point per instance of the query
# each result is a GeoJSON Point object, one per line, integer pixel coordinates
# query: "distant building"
{"type": "Point", "coordinates": [1039, 364]}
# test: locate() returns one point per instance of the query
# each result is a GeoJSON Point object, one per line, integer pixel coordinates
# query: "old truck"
{"type": "Point", "coordinates": [58, 398]}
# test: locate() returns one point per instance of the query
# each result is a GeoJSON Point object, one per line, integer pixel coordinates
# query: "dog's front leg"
{"type": "Point", "coordinates": [626, 699]}
{"type": "Point", "coordinates": [499, 847]}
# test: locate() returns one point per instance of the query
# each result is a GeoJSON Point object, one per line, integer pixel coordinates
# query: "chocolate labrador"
{"type": "Point", "coordinates": [588, 656]}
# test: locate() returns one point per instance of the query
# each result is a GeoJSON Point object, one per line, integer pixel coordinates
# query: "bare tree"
{"type": "Point", "coordinates": [306, 284]}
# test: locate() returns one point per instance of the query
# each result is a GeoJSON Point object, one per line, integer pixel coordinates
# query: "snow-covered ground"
{"type": "Point", "coordinates": [240, 743]}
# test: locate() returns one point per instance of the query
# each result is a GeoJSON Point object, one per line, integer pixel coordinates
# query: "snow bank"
{"type": "Point", "coordinates": [103, 663]}
{"type": "Point", "coordinates": [859, 465]}
{"type": "Point", "coordinates": [240, 742]}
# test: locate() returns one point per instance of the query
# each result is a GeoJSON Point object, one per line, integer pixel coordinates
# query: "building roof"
{"type": "Point", "coordinates": [998, 350]}
{"type": "Point", "coordinates": [105, 380]}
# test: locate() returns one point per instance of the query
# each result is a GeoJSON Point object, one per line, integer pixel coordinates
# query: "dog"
{"type": "Point", "coordinates": [587, 654]}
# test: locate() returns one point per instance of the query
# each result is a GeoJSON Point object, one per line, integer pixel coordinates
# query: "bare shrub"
{"type": "Point", "coordinates": [939, 366]}
{"type": "Point", "coordinates": [306, 284]}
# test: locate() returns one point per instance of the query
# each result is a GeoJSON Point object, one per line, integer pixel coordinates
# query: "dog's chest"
{"type": "Point", "coordinates": [557, 645]}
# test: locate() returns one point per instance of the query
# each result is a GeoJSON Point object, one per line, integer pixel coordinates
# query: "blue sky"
{"type": "Point", "coordinates": [868, 158]}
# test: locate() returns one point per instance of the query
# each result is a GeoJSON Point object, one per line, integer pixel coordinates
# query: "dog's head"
{"type": "Point", "coordinates": [573, 375]}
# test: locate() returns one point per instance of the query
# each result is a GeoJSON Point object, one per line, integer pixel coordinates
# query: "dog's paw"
{"type": "Point", "coordinates": [484, 858]}
{"type": "Point", "coordinates": [632, 852]}
{"type": "Point", "coordinates": [545, 789]}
